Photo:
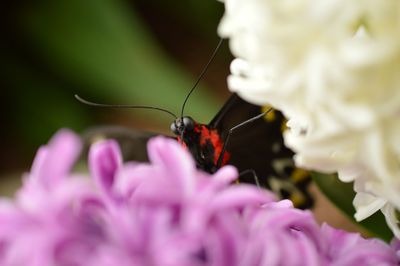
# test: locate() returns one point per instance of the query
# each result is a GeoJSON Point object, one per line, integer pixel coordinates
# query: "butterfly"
{"type": "Point", "coordinates": [257, 147]}
{"type": "Point", "coordinates": [240, 134]}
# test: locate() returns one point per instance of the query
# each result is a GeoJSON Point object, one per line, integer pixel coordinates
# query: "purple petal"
{"type": "Point", "coordinates": [351, 249]}
{"type": "Point", "coordinates": [39, 161]}
{"type": "Point", "coordinates": [239, 196]}
{"type": "Point", "coordinates": [130, 176]}
{"type": "Point", "coordinates": [224, 176]}
{"type": "Point", "coordinates": [169, 155]}
{"type": "Point", "coordinates": [54, 161]}
{"type": "Point", "coordinates": [104, 160]}
{"type": "Point", "coordinates": [165, 212]}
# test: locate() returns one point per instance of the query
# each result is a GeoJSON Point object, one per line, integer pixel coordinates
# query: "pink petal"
{"type": "Point", "coordinates": [104, 160]}
{"type": "Point", "coordinates": [169, 155]}
{"type": "Point", "coordinates": [239, 196]}
{"type": "Point", "coordinates": [54, 161]}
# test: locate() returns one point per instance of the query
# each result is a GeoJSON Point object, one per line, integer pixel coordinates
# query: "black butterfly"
{"type": "Point", "coordinates": [241, 134]}
{"type": "Point", "coordinates": [257, 147]}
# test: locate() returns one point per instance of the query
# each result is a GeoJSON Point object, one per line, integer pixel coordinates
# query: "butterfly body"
{"type": "Point", "coordinates": [204, 143]}
{"type": "Point", "coordinates": [257, 147]}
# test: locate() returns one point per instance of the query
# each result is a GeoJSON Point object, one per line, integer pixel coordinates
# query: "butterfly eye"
{"type": "Point", "coordinates": [174, 129]}
{"type": "Point", "coordinates": [188, 123]}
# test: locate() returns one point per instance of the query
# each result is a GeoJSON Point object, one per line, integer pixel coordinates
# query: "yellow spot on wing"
{"type": "Point", "coordinates": [299, 175]}
{"type": "Point", "coordinates": [297, 199]}
{"type": "Point", "coordinates": [284, 125]}
{"type": "Point", "coordinates": [271, 116]}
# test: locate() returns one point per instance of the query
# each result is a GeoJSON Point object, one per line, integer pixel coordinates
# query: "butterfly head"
{"type": "Point", "coordinates": [182, 125]}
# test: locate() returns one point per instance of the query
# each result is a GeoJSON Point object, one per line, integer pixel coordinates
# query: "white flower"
{"type": "Point", "coordinates": [332, 67]}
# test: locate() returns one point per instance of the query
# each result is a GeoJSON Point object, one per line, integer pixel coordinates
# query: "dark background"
{"type": "Point", "coordinates": [111, 51]}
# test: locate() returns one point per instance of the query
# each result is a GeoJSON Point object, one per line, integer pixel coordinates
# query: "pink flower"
{"type": "Point", "coordinates": [47, 210]}
{"type": "Point", "coordinates": [168, 212]}
{"type": "Point", "coordinates": [165, 212]}
{"type": "Point", "coordinates": [347, 249]}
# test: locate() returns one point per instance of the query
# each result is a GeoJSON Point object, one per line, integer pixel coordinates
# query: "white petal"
{"type": "Point", "coordinates": [366, 205]}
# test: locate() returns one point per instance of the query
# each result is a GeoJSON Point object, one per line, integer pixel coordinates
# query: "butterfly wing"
{"type": "Point", "coordinates": [259, 146]}
{"type": "Point", "coordinates": [133, 142]}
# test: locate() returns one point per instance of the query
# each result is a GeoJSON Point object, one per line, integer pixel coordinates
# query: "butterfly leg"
{"type": "Point", "coordinates": [221, 155]}
{"type": "Point", "coordinates": [253, 173]}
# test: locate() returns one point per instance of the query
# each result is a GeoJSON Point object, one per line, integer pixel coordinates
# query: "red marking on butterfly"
{"type": "Point", "coordinates": [203, 142]}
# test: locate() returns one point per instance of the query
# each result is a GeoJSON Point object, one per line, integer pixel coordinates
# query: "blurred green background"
{"type": "Point", "coordinates": [110, 51]}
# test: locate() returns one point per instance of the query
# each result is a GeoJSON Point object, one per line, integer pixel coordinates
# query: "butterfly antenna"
{"type": "Point", "coordinates": [202, 74]}
{"type": "Point", "coordinates": [123, 106]}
